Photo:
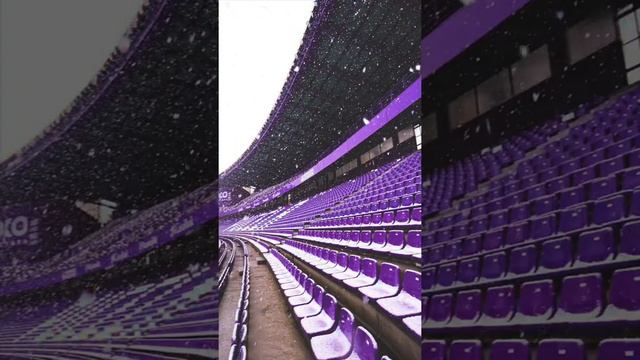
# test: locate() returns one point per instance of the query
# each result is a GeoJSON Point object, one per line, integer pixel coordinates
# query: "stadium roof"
{"type": "Point", "coordinates": [145, 133]}
{"type": "Point", "coordinates": [354, 58]}
{"type": "Point", "coordinates": [434, 12]}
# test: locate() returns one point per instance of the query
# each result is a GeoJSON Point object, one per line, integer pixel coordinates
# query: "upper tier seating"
{"type": "Point", "coordinates": [552, 240]}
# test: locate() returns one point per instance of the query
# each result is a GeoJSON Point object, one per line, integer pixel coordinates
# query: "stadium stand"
{"type": "Point", "coordinates": [530, 229]}
{"type": "Point", "coordinates": [337, 216]}
{"type": "Point", "coordinates": [138, 142]}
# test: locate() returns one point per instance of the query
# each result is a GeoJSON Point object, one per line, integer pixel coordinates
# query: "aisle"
{"type": "Point", "coordinates": [273, 333]}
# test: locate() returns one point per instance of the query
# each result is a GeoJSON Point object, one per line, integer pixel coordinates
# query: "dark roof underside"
{"type": "Point", "coordinates": [360, 55]}
{"type": "Point", "coordinates": [435, 12]}
{"type": "Point", "coordinates": [152, 136]}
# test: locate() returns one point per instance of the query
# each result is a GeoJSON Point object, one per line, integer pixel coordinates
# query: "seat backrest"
{"type": "Point", "coordinates": [346, 323]}
{"type": "Point", "coordinates": [365, 345]}
{"type": "Point", "coordinates": [499, 302]}
{"type": "Point", "coordinates": [434, 349]}
{"type": "Point", "coordinates": [369, 267]}
{"type": "Point", "coordinates": [379, 237]}
{"type": "Point", "coordinates": [318, 294]}
{"type": "Point", "coordinates": [596, 245]}
{"type": "Point", "coordinates": [561, 349]}
{"type": "Point", "coordinates": [614, 349]}
{"type": "Point", "coordinates": [468, 304]}
{"type": "Point", "coordinates": [581, 293]}
{"type": "Point", "coordinates": [390, 274]}
{"type": "Point", "coordinates": [354, 262]}
{"type": "Point", "coordinates": [465, 350]}
{"type": "Point", "coordinates": [537, 298]}
{"type": "Point", "coordinates": [396, 238]}
{"type": "Point", "coordinates": [625, 289]}
{"type": "Point", "coordinates": [329, 305]}
{"type": "Point", "coordinates": [511, 349]}
{"type": "Point", "coordinates": [412, 283]}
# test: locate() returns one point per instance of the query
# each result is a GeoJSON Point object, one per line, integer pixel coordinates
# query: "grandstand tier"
{"type": "Point", "coordinates": [530, 228]}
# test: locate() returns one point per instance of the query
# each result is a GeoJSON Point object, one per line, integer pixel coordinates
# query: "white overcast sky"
{"type": "Point", "coordinates": [259, 40]}
{"type": "Point", "coordinates": [49, 51]}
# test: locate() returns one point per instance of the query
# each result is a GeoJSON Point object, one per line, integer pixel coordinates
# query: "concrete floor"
{"type": "Point", "coordinates": [273, 332]}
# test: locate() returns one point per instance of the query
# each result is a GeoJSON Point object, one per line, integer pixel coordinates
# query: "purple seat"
{"type": "Point", "coordinates": [447, 274]}
{"type": "Point", "coordinates": [544, 205]}
{"type": "Point", "coordinates": [395, 241]}
{"type": "Point", "coordinates": [337, 344]}
{"type": "Point", "coordinates": [313, 307]}
{"type": "Point", "coordinates": [517, 233]}
{"type": "Point", "coordinates": [468, 306]}
{"type": "Point", "coordinates": [519, 213]}
{"type": "Point", "coordinates": [624, 295]}
{"type": "Point", "coordinates": [353, 269]}
{"type": "Point", "coordinates": [498, 219]}
{"type": "Point", "coordinates": [469, 270]}
{"type": "Point", "coordinates": [478, 225]}
{"type": "Point", "coordinates": [581, 297]}
{"type": "Point", "coordinates": [619, 349]}
{"type": "Point", "coordinates": [556, 185]}
{"type": "Point", "coordinates": [523, 260]}
{"type": "Point", "coordinates": [332, 261]}
{"type": "Point", "coordinates": [634, 209]}
{"type": "Point", "coordinates": [493, 240]}
{"type": "Point", "coordinates": [407, 301]}
{"type": "Point", "coordinates": [618, 149]}
{"type": "Point", "coordinates": [556, 254]}
{"type": "Point", "coordinates": [465, 350]}
{"type": "Point", "coordinates": [440, 308]}
{"type": "Point", "coordinates": [416, 214]}
{"type": "Point", "coordinates": [434, 350]}
{"type": "Point", "coordinates": [402, 216]}
{"type": "Point", "coordinates": [631, 178]}
{"type": "Point", "coordinates": [436, 254]}
{"type": "Point", "coordinates": [306, 297]}
{"type": "Point", "coordinates": [602, 187]}
{"type": "Point", "coordinates": [572, 196]}
{"type": "Point", "coordinates": [413, 246]}
{"type": "Point", "coordinates": [543, 226]}
{"type": "Point", "coordinates": [581, 176]}
{"type": "Point", "coordinates": [387, 217]}
{"type": "Point", "coordinates": [511, 349]}
{"type": "Point", "coordinates": [341, 266]}
{"type": "Point", "coordinates": [471, 245]}
{"type": "Point", "coordinates": [428, 278]}
{"type": "Point", "coordinates": [387, 285]}
{"type": "Point", "coordinates": [365, 346]}
{"type": "Point", "coordinates": [595, 246]}
{"type": "Point", "coordinates": [630, 240]}
{"type": "Point", "coordinates": [378, 242]}
{"type": "Point", "coordinates": [536, 192]}
{"type": "Point", "coordinates": [365, 239]}
{"type": "Point", "coordinates": [536, 301]}
{"type": "Point", "coordinates": [394, 203]}
{"type": "Point", "coordinates": [561, 349]}
{"type": "Point", "coordinates": [376, 219]}
{"type": "Point", "coordinates": [573, 219]}
{"type": "Point", "coordinates": [452, 250]}
{"type": "Point", "coordinates": [407, 200]}
{"type": "Point", "coordinates": [608, 210]}
{"type": "Point", "coordinates": [494, 265]}
{"type": "Point", "coordinates": [499, 304]}
{"type": "Point", "coordinates": [569, 167]}
{"type": "Point", "coordinates": [367, 276]}
{"type": "Point", "coordinates": [323, 321]}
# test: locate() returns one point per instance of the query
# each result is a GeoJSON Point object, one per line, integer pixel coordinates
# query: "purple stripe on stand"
{"type": "Point", "coordinates": [463, 29]}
